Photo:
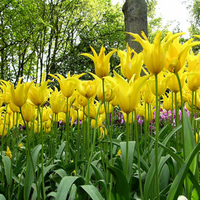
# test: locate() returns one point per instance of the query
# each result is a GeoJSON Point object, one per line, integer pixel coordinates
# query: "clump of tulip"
{"type": "Point", "coordinates": [171, 84]}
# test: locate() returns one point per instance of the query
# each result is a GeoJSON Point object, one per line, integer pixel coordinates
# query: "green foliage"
{"type": "Point", "coordinates": [50, 35]}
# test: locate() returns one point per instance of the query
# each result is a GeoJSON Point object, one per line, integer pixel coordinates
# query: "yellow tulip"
{"type": "Point", "coordinates": [62, 117]}
{"type": "Point", "coordinates": [28, 112]}
{"type": "Point", "coordinates": [46, 114]}
{"type": "Point", "coordinates": [66, 86]}
{"type": "Point", "coordinates": [57, 101]}
{"type": "Point", "coordinates": [13, 107]}
{"type": "Point", "coordinates": [85, 88]}
{"type": "Point", "coordinates": [148, 96]}
{"type": "Point", "coordinates": [80, 114]}
{"type": "Point", "coordinates": [107, 91]}
{"type": "Point", "coordinates": [3, 130]}
{"type": "Point", "coordinates": [8, 152]}
{"type": "Point", "coordinates": [167, 102]}
{"type": "Point", "coordinates": [82, 100]}
{"type": "Point", "coordinates": [162, 83]}
{"type": "Point", "coordinates": [6, 95]}
{"type": "Point", "coordinates": [92, 110]}
{"type": "Point", "coordinates": [73, 115]}
{"type": "Point", "coordinates": [193, 78]}
{"type": "Point", "coordinates": [177, 54]}
{"type": "Point", "coordinates": [38, 95]}
{"type": "Point", "coordinates": [155, 54]}
{"type": "Point", "coordinates": [130, 65]}
{"type": "Point", "coordinates": [20, 94]}
{"type": "Point", "coordinates": [173, 84]}
{"type": "Point", "coordinates": [149, 113]}
{"type": "Point", "coordinates": [128, 94]}
{"type": "Point", "coordinates": [101, 62]}
{"type": "Point", "coordinates": [131, 117]}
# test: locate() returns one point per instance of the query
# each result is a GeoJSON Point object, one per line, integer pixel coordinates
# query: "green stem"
{"type": "Point", "coordinates": [67, 150]}
{"type": "Point", "coordinates": [138, 155]}
{"type": "Point", "coordinates": [42, 158]}
{"type": "Point", "coordinates": [2, 134]}
{"type": "Point", "coordinates": [157, 138]}
{"type": "Point", "coordinates": [92, 147]}
{"type": "Point", "coordinates": [177, 119]}
{"type": "Point", "coordinates": [29, 153]}
{"type": "Point", "coordinates": [181, 95]}
{"type": "Point", "coordinates": [127, 142]}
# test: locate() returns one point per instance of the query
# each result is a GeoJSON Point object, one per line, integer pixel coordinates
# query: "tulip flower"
{"type": "Point", "coordinates": [57, 101]}
{"type": "Point", "coordinates": [85, 88]}
{"type": "Point", "coordinates": [131, 117]}
{"type": "Point", "coordinates": [193, 72]}
{"type": "Point", "coordinates": [148, 96]}
{"type": "Point", "coordinates": [46, 114]}
{"type": "Point", "coordinates": [92, 110]}
{"type": "Point", "coordinates": [107, 92]}
{"type": "Point", "coordinates": [28, 112]}
{"type": "Point", "coordinates": [128, 94]}
{"type": "Point", "coordinates": [73, 115]}
{"type": "Point", "coordinates": [6, 95]}
{"type": "Point", "coordinates": [101, 62]}
{"type": "Point", "coordinates": [162, 83]}
{"type": "Point", "coordinates": [173, 84]}
{"type": "Point", "coordinates": [20, 94]}
{"type": "Point", "coordinates": [38, 95]}
{"type": "Point", "coordinates": [177, 54]}
{"type": "Point", "coordinates": [8, 152]}
{"type": "Point", "coordinates": [66, 86]}
{"type": "Point", "coordinates": [3, 130]}
{"type": "Point", "coordinates": [167, 102]}
{"type": "Point", "coordinates": [13, 107]}
{"type": "Point", "coordinates": [155, 54]}
{"type": "Point", "coordinates": [130, 64]}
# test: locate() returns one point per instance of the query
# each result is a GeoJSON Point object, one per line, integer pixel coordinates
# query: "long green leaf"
{"type": "Point", "coordinates": [151, 172]}
{"type": "Point", "coordinates": [65, 185]}
{"type": "Point", "coordinates": [178, 181]}
{"type": "Point", "coordinates": [121, 187]}
{"type": "Point", "coordinates": [131, 149]}
{"type": "Point", "coordinates": [189, 140]}
{"type": "Point", "coordinates": [30, 171]}
{"type": "Point", "coordinates": [180, 163]}
{"type": "Point", "coordinates": [45, 171]}
{"type": "Point", "coordinates": [97, 171]}
{"type": "Point", "coordinates": [8, 169]}
{"type": "Point", "coordinates": [92, 192]}
{"type": "Point", "coordinates": [2, 197]}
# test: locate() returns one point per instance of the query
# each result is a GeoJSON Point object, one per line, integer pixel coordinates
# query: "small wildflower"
{"type": "Point", "coordinates": [119, 153]}
{"type": "Point", "coordinates": [8, 153]}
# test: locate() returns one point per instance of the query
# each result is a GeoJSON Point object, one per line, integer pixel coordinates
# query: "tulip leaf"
{"type": "Point", "coordinates": [151, 172]}
{"type": "Point", "coordinates": [45, 171]}
{"type": "Point", "coordinates": [60, 150]}
{"type": "Point", "coordinates": [131, 149]}
{"type": "Point", "coordinates": [121, 188]}
{"type": "Point", "coordinates": [70, 167]}
{"type": "Point", "coordinates": [65, 185]}
{"type": "Point", "coordinates": [92, 192]}
{"type": "Point", "coordinates": [2, 197]}
{"type": "Point", "coordinates": [8, 169]}
{"type": "Point", "coordinates": [189, 140]}
{"type": "Point", "coordinates": [178, 181]}
{"type": "Point", "coordinates": [97, 172]}
{"type": "Point", "coordinates": [30, 171]}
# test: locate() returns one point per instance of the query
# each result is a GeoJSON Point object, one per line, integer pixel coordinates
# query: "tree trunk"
{"type": "Point", "coordinates": [135, 18]}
